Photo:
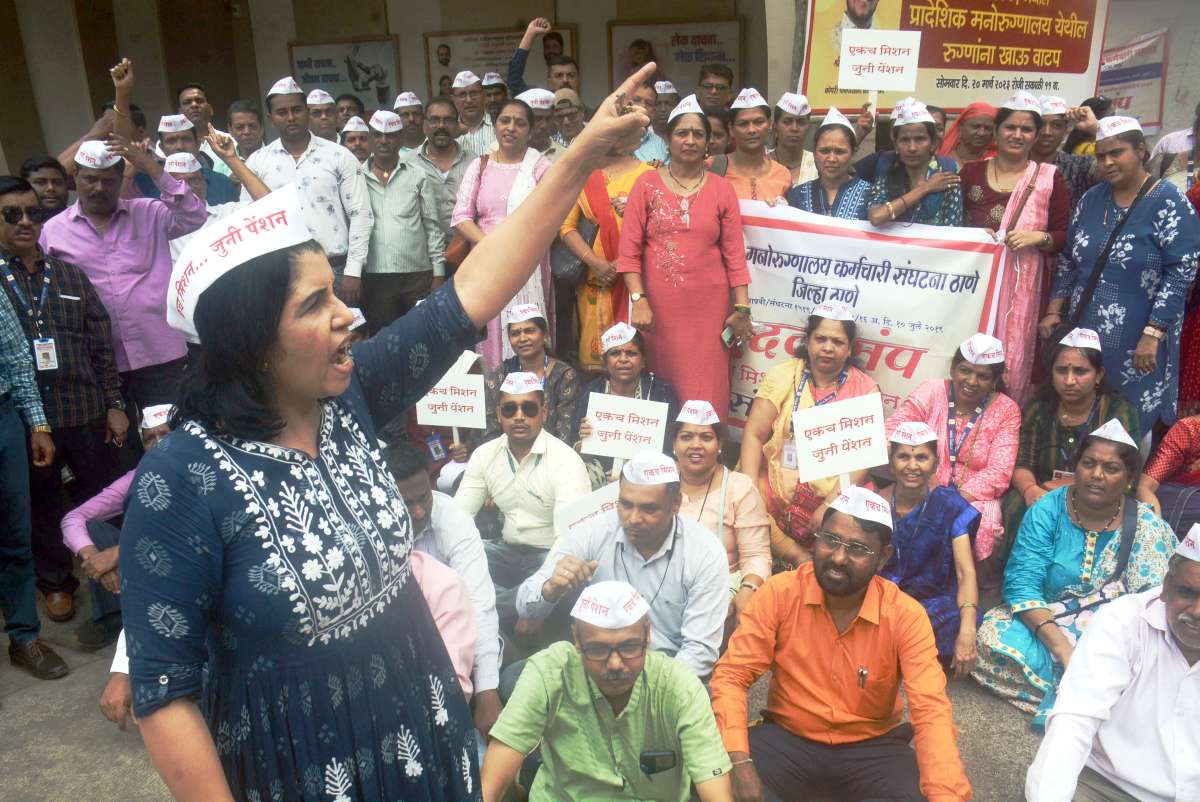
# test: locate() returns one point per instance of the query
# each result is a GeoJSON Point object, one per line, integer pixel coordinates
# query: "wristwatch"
{"type": "Point", "coordinates": [1155, 332]}
{"type": "Point", "coordinates": [43, 429]}
{"type": "Point", "coordinates": [636, 296]}
{"type": "Point", "coordinates": [118, 405]}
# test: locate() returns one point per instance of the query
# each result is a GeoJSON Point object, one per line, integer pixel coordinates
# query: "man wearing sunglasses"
{"type": "Point", "coordinates": [839, 640]}
{"type": "Point", "coordinates": [614, 720]}
{"type": "Point", "coordinates": [67, 332]}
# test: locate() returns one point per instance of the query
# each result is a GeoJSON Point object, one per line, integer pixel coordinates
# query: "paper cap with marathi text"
{"type": "Point", "coordinates": [285, 86]}
{"type": "Point", "coordinates": [319, 97]}
{"type": "Point", "coordinates": [182, 162]}
{"type": "Point", "coordinates": [916, 112]}
{"type": "Point", "coordinates": [901, 103]}
{"type": "Point", "coordinates": [700, 413]}
{"type": "Point", "coordinates": [405, 99]}
{"type": "Point", "coordinates": [174, 123]}
{"type": "Point", "coordinates": [493, 79]}
{"type": "Point", "coordinates": [982, 349]}
{"type": "Point", "coordinates": [650, 468]}
{"type": "Point", "coordinates": [156, 415]}
{"type": "Point", "coordinates": [610, 605]}
{"type": "Point", "coordinates": [1111, 126]}
{"type": "Point", "coordinates": [616, 335]}
{"type": "Point", "coordinates": [748, 98]}
{"type": "Point", "coordinates": [914, 433]}
{"type": "Point", "coordinates": [794, 103]}
{"type": "Point", "coordinates": [835, 310]}
{"type": "Point", "coordinates": [520, 382]}
{"type": "Point", "coordinates": [860, 503]}
{"type": "Point", "coordinates": [95, 154]}
{"type": "Point", "coordinates": [537, 99]}
{"type": "Point", "coordinates": [665, 88]}
{"type": "Point", "coordinates": [386, 122]}
{"type": "Point", "coordinates": [1189, 547]}
{"type": "Point", "coordinates": [689, 105]}
{"type": "Point", "coordinates": [1052, 105]}
{"type": "Point", "coordinates": [464, 79]}
{"type": "Point", "coordinates": [359, 318]}
{"type": "Point", "coordinates": [355, 124]}
{"type": "Point", "coordinates": [1114, 431]}
{"type": "Point", "coordinates": [1022, 101]}
{"type": "Point", "coordinates": [522, 312]}
{"type": "Point", "coordinates": [1082, 338]}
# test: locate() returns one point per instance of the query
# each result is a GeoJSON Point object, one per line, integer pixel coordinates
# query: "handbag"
{"type": "Point", "coordinates": [566, 266]}
{"type": "Point", "coordinates": [459, 245]}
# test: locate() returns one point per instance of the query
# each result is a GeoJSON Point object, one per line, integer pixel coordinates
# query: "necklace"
{"type": "Point", "coordinates": [996, 185]}
{"type": "Point", "coordinates": [707, 490]}
{"type": "Point", "coordinates": [1079, 520]}
{"type": "Point", "coordinates": [683, 186]}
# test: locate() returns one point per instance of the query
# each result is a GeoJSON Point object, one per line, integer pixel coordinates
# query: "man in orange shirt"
{"type": "Point", "coordinates": [839, 640]}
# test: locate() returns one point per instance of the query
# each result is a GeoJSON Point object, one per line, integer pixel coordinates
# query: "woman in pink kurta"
{"type": "Point", "coordinates": [684, 261]}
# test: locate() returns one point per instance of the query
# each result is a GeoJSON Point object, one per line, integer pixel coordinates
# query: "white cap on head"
{"type": "Point", "coordinates": [174, 123]}
{"type": "Point", "coordinates": [748, 98]}
{"type": "Point", "coordinates": [860, 503]}
{"type": "Point", "coordinates": [355, 123]}
{"type": "Point", "coordinates": [406, 99]}
{"type": "Point", "coordinates": [835, 310]}
{"type": "Point", "coordinates": [1189, 547]}
{"type": "Point", "coordinates": [522, 312]}
{"type": "Point", "coordinates": [915, 112]}
{"type": "Point", "coordinates": [493, 79]}
{"type": "Point", "coordinates": [665, 88]}
{"type": "Point", "coordinates": [914, 433]}
{"type": "Point", "coordinates": [386, 122]}
{"type": "Point", "coordinates": [1114, 431]}
{"type": "Point", "coordinates": [182, 162]}
{"type": "Point", "coordinates": [1022, 101]}
{"type": "Point", "coordinates": [1082, 338]}
{"type": "Point", "coordinates": [700, 413]}
{"type": "Point", "coordinates": [155, 415]}
{"type": "Point", "coordinates": [520, 382]}
{"type": "Point", "coordinates": [982, 349]}
{"type": "Point", "coordinates": [1111, 126]}
{"type": "Point", "coordinates": [610, 605]}
{"type": "Point", "coordinates": [794, 103]}
{"type": "Point", "coordinates": [464, 79]}
{"type": "Point", "coordinates": [650, 468]}
{"type": "Point", "coordinates": [1052, 105]}
{"type": "Point", "coordinates": [537, 99]}
{"type": "Point", "coordinates": [359, 318]}
{"type": "Point", "coordinates": [689, 105]}
{"type": "Point", "coordinates": [319, 97]}
{"type": "Point", "coordinates": [273, 222]}
{"type": "Point", "coordinates": [901, 103]}
{"type": "Point", "coordinates": [617, 334]}
{"type": "Point", "coordinates": [94, 153]}
{"type": "Point", "coordinates": [285, 86]}
{"type": "Point", "coordinates": [835, 117]}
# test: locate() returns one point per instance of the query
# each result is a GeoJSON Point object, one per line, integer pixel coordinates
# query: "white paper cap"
{"type": "Point", "coordinates": [610, 605]}
{"type": "Point", "coordinates": [1022, 101]}
{"type": "Point", "coordinates": [1189, 547]}
{"type": "Point", "coordinates": [835, 117]}
{"type": "Point", "coordinates": [982, 349]}
{"type": "Point", "coordinates": [700, 413]}
{"type": "Point", "coordinates": [273, 222]}
{"type": "Point", "coordinates": [537, 99]}
{"type": "Point", "coordinates": [860, 503]}
{"type": "Point", "coordinates": [916, 112]}
{"type": "Point", "coordinates": [155, 415]}
{"type": "Point", "coordinates": [794, 103]}
{"type": "Point", "coordinates": [748, 98]}
{"type": "Point", "coordinates": [523, 312]}
{"type": "Point", "coordinates": [914, 433]}
{"type": "Point", "coordinates": [493, 79]}
{"type": "Point", "coordinates": [1052, 105]}
{"type": "Point", "coordinates": [464, 79]}
{"type": "Point", "coordinates": [94, 153]}
{"type": "Point", "coordinates": [285, 86]}
{"type": "Point", "coordinates": [650, 468]}
{"type": "Point", "coordinates": [520, 383]}
{"type": "Point", "coordinates": [386, 122]}
{"type": "Point", "coordinates": [900, 104]}
{"type": "Point", "coordinates": [835, 310]}
{"type": "Point", "coordinates": [689, 105]}
{"type": "Point", "coordinates": [617, 334]}
{"type": "Point", "coordinates": [466, 360]}
{"type": "Point", "coordinates": [158, 151]}
{"type": "Point", "coordinates": [405, 99]}
{"type": "Point", "coordinates": [1082, 338]}
{"type": "Point", "coordinates": [182, 162]}
{"type": "Point", "coordinates": [319, 97]}
{"type": "Point", "coordinates": [355, 123]}
{"type": "Point", "coordinates": [1114, 431]}
{"type": "Point", "coordinates": [1111, 126]}
{"type": "Point", "coordinates": [359, 318]}
{"type": "Point", "coordinates": [174, 123]}
{"type": "Point", "coordinates": [665, 88]}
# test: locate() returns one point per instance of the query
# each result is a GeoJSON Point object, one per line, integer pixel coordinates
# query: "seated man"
{"type": "Point", "coordinates": [673, 562]}
{"type": "Point", "coordinates": [839, 640]}
{"type": "Point", "coordinates": [1126, 724]}
{"type": "Point", "coordinates": [650, 712]}
{"type": "Point", "coordinates": [528, 474]}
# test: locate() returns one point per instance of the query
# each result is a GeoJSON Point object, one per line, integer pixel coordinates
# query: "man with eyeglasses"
{"type": "Point", "coordinates": [614, 720]}
{"type": "Point", "coordinates": [677, 565]}
{"type": "Point", "coordinates": [568, 117]}
{"type": "Point", "coordinates": [441, 157]}
{"type": "Point", "coordinates": [528, 474]}
{"type": "Point", "coordinates": [715, 87]}
{"type": "Point", "coordinates": [839, 641]}
{"type": "Point", "coordinates": [478, 134]}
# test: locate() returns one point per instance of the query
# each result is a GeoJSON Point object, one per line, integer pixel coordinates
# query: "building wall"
{"type": "Point", "coordinates": [1131, 18]}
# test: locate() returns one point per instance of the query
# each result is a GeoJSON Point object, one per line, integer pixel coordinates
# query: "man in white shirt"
{"type": "Point", "coordinates": [1182, 141]}
{"type": "Point", "coordinates": [1126, 725]}
{"type": "Point", "coordinates": [479, 135]}
{"type": "Point", "coordinates": [677, 565]}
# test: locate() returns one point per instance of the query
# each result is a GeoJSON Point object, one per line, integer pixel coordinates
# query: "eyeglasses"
{"type": "Point", "coordinates": [856, 550]}
{"type": "Point", "coordinates": [529, 409]}
{"type": "Point", "coordinates": [714, 87]}
{"type": "Point", "coordinates": [36, 214]}
{"type": "Point", "coordinates": [600, 653]}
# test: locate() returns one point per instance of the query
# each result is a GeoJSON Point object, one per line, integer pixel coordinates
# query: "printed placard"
{"type": "Point", "coordinates": [457, 400]}
{"type": "Point", "coordinates": [623, 427]}
{"type": "Point", "coordinates": [879, 60]}
{"type": "Point", "coordinates": [841, 437]}
{"type": "Point", "coordinates": [587, 509]}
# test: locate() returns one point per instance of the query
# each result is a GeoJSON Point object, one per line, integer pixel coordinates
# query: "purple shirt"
{"type": "Point", "coordinates": [129, 264]}
{"type": "Point", "coordinates": [105, 505]}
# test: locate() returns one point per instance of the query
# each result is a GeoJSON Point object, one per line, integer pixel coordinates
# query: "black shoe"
{"type": "Point", "coordinates": [96, 635]}
{"type": "Point", "coordinates": [38, 659]}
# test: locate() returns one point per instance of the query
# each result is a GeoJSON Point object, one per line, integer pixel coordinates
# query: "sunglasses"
{"type": "Point", "coordinates": [529, 409]}
{"type": "Point", "coordinates": [858, 551]}
{"type": "Point", "coordinates": [37, 214]}
{"type": "Point", "coordinates": [599, 652]}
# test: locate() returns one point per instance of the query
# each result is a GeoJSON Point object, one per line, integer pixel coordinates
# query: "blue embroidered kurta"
{"type": "Point", "coordinates": [276, 588]}
{"type": "Point", "coordinates": [850, 203]}
{"type": "Point", "coordinates": [935, 209]}
{"type": "Point", "coordinates": [1146, 280]}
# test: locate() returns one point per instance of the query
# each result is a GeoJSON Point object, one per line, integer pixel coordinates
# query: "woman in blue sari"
{"type": "Point", "coordinates": [1138, 306]}
{"type": "Point", "coordinates": [835, 192]}
{"type": "Point", "coordinates": [1067, 562]}
{"type": "Point", "coordinates": [912, 183]}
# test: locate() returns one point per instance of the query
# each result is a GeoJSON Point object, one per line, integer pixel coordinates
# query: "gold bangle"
{"type": "Point", "coordinates": [117, 109]}
{"type": "Point", "coordinates": [891, 211]}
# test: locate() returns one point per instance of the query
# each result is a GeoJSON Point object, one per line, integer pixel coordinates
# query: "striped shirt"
{"type": "Point", "coordinates": [16, 367]}
{"type": "Point", "coordinates": [445, 184]}
{"type": "Point", "coordinates": [479, 140]}
{"type": "Point", "coordinates": [407, 236]}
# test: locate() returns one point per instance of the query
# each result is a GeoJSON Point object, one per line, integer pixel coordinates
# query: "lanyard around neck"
{"type": "Point", "coordinates": [34, 314]}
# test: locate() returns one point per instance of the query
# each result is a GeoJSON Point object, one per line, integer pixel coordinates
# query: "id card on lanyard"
{"type": "Point", "coordinates": [45, 354]}
{"type": "Point", "coordinates": [787, 455]}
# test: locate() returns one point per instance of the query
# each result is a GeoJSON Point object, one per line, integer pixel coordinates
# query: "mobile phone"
{"type": "Point", "coordinates": [727, 337]}
{"type": "Point", "coordinates": [654, 762]}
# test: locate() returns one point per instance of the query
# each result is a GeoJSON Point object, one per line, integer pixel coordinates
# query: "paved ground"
{"type": "Point", "coordinates": [55, 746]}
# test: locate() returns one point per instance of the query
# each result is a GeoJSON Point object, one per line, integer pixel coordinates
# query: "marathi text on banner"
{"type": "Point", "coordinates": [587, 510]}
{"type": "Point", "coordinates": [623, 427]}
{"type": "Point", "coordinates": [1133, 76]}
{"type": "Point", "coordinates": [842, 437]}
{"type": "Point", "coordinates": [457, 400]}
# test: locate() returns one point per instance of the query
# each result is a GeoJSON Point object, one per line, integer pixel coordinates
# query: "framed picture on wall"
{"type": "Point", "coordinates": [366, 66]}
{"type": "Point", "coordinates": [448, 53]}
{"type": "Point", "coordinates": [679, 48]}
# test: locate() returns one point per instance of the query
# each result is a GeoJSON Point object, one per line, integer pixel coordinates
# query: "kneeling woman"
{"type": "Point", "coordinates": [1079, 548]}
{"type": "Point", "coordinates": [932, 531]}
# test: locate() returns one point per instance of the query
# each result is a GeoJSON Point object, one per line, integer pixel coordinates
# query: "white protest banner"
{"type": "Point", "coordinates": [917, 292]}
{"type": "Point", "coordinates": [841, 437]}
{"type": "Point", "coordinates": [457, 400]}
{"type": "Point", "coordinates": [1134, 76]}
{"type": "Point", "coordinates": [623, 427]}
{"type": "Point", "coordinates": [587, 509]}
{"type": "Point", "coordinates": [879, 60]}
